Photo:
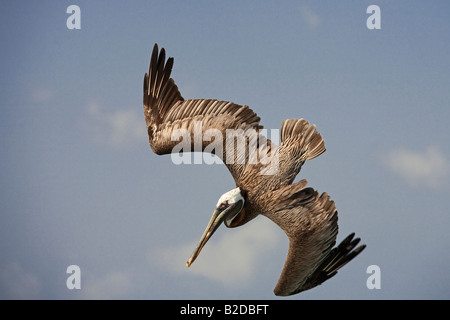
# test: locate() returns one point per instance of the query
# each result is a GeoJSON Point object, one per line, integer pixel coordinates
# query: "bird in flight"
{"type": "Point", "coordinates": [263, 187]}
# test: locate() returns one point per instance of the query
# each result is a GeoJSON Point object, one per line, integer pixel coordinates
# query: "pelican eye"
{"type": "Point", "coordinates": [223, 205]}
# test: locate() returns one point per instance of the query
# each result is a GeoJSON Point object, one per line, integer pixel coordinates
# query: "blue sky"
{"type": "Point", "coordinates": [80, 185]}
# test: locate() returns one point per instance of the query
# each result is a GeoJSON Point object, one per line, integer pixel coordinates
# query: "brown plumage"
{"type": "Point", "coordinates": [263, 187]}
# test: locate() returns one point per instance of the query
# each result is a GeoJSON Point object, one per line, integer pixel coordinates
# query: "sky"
{"type": "Point", "coordinates": [80, 186]}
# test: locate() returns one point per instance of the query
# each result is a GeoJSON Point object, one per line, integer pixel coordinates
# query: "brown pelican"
{"type": "Point", "coordinates": [308, 218]}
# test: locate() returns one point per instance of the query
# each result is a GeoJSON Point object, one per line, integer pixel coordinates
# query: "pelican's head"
{"type": "Point", "coordinates": [228, 207]}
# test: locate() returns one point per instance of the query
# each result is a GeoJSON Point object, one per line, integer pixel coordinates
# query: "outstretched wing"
{"type": "Point", "coordinates": [310, 222]}
{"type": "Point", "coordinates": [170, 118]}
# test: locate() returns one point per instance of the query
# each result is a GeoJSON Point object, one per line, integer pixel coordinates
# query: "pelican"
{"type": "Point", "coordinates": [308, 218]}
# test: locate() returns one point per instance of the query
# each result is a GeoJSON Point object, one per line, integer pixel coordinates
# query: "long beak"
{"type": "Point", "coordinates": [217, 218]}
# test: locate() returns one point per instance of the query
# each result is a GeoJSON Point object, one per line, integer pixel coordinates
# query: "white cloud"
{"type": "Point", "coordinates": [311, 18]}
{"type": "Point", "coordinates": [111, 285]}
{"type": "Point", "coordinates": [119, 128]}
{"type": "Point", "coordinates": [18, 283]}
{"type": "Point", "coordinates": [230, 258]}
{"type": "Point", "coordinates": [428, 168]}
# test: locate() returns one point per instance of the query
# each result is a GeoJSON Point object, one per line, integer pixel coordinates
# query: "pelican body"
{"type": "Point", "coordinates": [308, 218]}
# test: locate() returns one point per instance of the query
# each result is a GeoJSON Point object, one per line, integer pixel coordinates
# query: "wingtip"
{"type": "Point", "coordinates": [360, 249]}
